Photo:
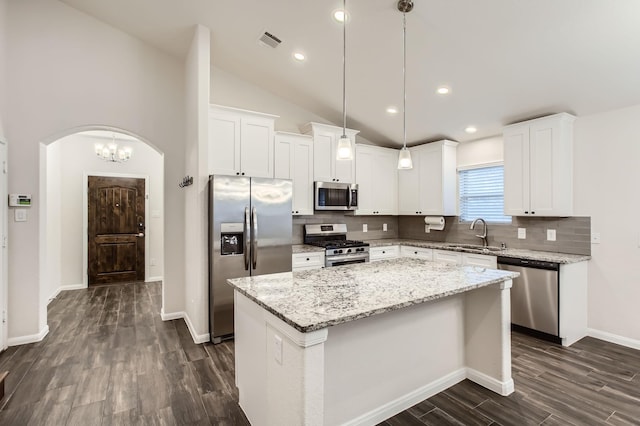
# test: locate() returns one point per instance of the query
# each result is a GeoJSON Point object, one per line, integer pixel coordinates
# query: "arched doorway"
{"type": "Point", "coordinates": [69, 162]}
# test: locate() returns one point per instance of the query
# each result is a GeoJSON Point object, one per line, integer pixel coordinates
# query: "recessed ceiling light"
{"type": "Point", "coordinates": [443, 90]}
{"type": "Point", "coordinates": [392, 110]}
{"type": "Point", "coordinates": [299, 56]}
{"type": "Point", "coordinates": [470, 129]}
{"type": "Point", "coordinates": [339, 15]}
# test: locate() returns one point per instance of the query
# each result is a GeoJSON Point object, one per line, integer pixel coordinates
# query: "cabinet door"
{"type": "Point", "coordinates": [365, 169]}
{"type": "Point", "coordinates": [303, 177]}
{"type": "Point", "coordinates": [386, 182]}
{"type": "Point", "coordinates": [516, 170]}
{"type": "Point", "coordinates": [256, 154]}
{"type": "Point", "coordinates": [283, 157]}
{"type": "Point", "coordinates": [409, 188]}
{"type": "Point", "coordinates": [224, 144]}
{"type": "Point", "coordinates": [417, 252]}
{"type": "Point", "coordinates": [382, 253]}
{"type": "Point", "coordinates": [430, 158]}
{"type": "Point", "coordinates": [323, 148]}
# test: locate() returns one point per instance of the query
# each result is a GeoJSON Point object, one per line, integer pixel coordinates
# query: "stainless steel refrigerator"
{"type": "Point", "coordinates": [249, 234]}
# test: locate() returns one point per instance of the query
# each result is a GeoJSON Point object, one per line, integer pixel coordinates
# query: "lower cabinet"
{"type": "Point", "coordinates": [447, 256]}
{"type": "Point", "coordinates": [458, 258]}
{"type": "Point", "coordinates": [304, 261]}
{"type": "Point", "coordinates": [416, 252]}
{"type": "Point", "coordinates": [382, 253]}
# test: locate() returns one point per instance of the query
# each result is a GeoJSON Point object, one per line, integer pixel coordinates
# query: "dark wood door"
{"type": "Point", "coordinates": [116, 229]}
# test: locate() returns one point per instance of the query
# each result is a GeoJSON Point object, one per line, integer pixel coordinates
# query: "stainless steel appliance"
{"type": "Point", "coordinates": [534, 297]}
{"type": "Point", "coordinates": [335, 196]}
{"type": "Point", "coordinates": [338, 250]}
{"type": "Point", "coordinates": [249, 234]}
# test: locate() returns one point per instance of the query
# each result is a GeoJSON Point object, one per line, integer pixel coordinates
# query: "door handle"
{"type": "Point", "coordinates": [245, 243]}
{"type": "Point", "coordinates": [254, 238]}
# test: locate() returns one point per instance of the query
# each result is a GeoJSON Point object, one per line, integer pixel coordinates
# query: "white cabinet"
{"type": "Point", "coordinates": [416, 252]}
{"type": "Point", "coordinates": [304, 261]}
{"type": "Point", "coordinates": [377, 179]}
{"type": "Point", "coordinates": [325, 143]}
{"type": "Point", "coordinates": [446, 256]}
{"type": "Point", "coordinates": [382, 253]}
{"type": "Point", "coordinates": [240, 142]}
{"type": "Point", "coordinates": [483, 260]}
{"type": "Point", "coordinates": [538, 167]}
{"type": "Point", "coordinates": [430, 187]}
{"type": "Point", "coordinates": [293, 159]}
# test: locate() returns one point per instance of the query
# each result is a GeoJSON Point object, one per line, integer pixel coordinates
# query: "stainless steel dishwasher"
{"type": "Point", "coordinates": [534, 297]}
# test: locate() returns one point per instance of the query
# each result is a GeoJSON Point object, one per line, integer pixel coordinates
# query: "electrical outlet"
{"type": "Point", "coordinates": [365, 228]}
{"type": "Point", "coordinates": [595, 238]}
{"type": "Point", "coordinates": [551, 234]}
{"type": "Point", "coordinates": [277, 349]}
{"type": "Point", "coordinates": [522, 233]}
{"type": "Point", "coordinates": [384, 227]}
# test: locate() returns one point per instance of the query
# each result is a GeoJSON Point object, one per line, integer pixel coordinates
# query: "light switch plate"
{"type": "Point", "coordinates": [365, 228]}
{"type": "Point", "coordinates": [384, 227]}
{"type": "Point", "coordinates": [522, 233]}
{"type": "Point", "coordinates": [551, 234]}
{"type": "Point", "coordinates": [595, 238]}
{"type": "Point", "coordinates": [20, 215]}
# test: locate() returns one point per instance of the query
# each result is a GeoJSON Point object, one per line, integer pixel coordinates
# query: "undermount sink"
{"type": "Point", "coordinates": [478, 247]}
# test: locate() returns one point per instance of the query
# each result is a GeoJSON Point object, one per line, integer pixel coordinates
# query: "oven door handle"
{"type": "Point", "coordinates": [347, 257]}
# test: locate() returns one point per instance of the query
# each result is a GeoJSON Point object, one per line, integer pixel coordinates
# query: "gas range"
{"type": "Point", "coordinates": [338, 250]}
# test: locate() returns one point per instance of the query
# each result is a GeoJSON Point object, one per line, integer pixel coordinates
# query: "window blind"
{"type": "Point", "coordinates": [482, 194]}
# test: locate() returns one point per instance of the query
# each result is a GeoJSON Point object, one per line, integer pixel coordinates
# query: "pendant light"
{"type": "Point", "coordinates": [404, 157]}
{"type": "Point", "coordinates": [345, 150]}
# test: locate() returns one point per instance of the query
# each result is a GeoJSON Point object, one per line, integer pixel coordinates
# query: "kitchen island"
{"type": "Point", "coordinates": [359, 343]}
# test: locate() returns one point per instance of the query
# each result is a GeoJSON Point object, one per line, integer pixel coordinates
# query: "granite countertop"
{"type": "Point", "coordinates": [306, 248]}
{"type": "Point", "coordinates": [319, 298]}
{"type": "Point", "coordinates": [545, 256]}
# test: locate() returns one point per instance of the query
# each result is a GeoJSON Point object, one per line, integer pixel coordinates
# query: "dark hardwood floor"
{"type": "Point", "coordinates": [110, 360]}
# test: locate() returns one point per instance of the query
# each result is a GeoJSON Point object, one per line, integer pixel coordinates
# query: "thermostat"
{"type": "Point", "coordinates": [19, 200]}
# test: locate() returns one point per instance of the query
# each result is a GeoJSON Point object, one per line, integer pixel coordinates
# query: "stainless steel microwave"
{"type": "Point", "coordinates": [335, 196]}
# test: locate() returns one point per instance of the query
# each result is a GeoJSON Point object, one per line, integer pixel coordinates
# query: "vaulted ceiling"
{"type": "Point", "coordinates": [504, 60]}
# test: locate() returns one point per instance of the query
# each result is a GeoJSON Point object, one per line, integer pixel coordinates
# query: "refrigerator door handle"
{"type": "Point", "coordinates": [254, 238]}
{"type": "Point", "coordinates": [247, 231]}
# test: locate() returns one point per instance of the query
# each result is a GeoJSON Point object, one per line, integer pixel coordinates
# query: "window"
{"type": "Point", "coordinates": [482, 194]}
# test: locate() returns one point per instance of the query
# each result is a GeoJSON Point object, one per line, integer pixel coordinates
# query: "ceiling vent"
{"type": "Point", "coordinates": [269, 40]}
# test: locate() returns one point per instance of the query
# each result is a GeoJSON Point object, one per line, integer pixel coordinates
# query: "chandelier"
{"type": "Point", "coordinates": [110, 152]}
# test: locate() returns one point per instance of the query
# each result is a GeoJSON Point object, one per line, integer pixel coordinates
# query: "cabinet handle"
{"type": "Point", "coordinates": [242, 173]}
{"type": "Point", "coordinates": [526, 212]}
{"type": "Point", "coordinates": [533, 212]}
{"type": "Point", "coordinates": [237, 173]}
{"type": "Point", "coordinates": [415, 252]}
{"type": "Point", "coordinates": [384, 252]}
{"type": "Point", "coordinates": [307, 259]}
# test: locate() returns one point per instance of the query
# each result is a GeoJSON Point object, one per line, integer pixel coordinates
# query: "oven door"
{"type": "Point", "coordinates": [346, 259]}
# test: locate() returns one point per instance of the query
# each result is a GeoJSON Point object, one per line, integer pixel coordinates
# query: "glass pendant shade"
{"type": "Point", "coordinates": [404, 159]}
{"type": "Point", "coordinates": [345, 150]}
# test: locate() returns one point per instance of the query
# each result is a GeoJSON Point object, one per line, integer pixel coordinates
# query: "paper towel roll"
{"type": "Point", "coordinates": [435, 223]}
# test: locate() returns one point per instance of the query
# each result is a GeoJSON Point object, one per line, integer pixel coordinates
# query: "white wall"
{"type": "Point", "coordinates": [606, 176]}
{"type": "Point", "coordinates": [3, 38]}
{"type": "Point", "coordinates": [54, 249]}
{"type": "Point", "coordinates": [196, 221]}
{"type": "Point", "coordinates": [66, 71]}
{"type": "Point", "coordinates": [481, 151]}
{"type": "Point", "coordinates": [75, 158]}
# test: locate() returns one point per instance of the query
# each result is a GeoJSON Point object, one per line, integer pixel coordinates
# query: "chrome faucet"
{"type": "Point", "coordinates": [484, 230]}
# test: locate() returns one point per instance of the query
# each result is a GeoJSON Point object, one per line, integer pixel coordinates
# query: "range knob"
{"type": "Point", "coordinates": [348, 250]}
{"type": "Point", "coordinates": [337, 252]}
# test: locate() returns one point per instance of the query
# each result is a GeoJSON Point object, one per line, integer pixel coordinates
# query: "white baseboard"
{"type": "Point", "coordinates": [614, 338]}
{"type": "Point", "coordinates": [152, 279]}
{"type": "Point", "coordinates": [65, 288]}
{"type": "Point", "coordinates": [392, 408]}
{"type": "Point", "coordinates": [171, 315]}
{"type": "Point", "coordinates": [32, 338]}
{"type": "Point", "coordinates": [501, 388]}
{"type": "Point", "coordinates": [197, 338]}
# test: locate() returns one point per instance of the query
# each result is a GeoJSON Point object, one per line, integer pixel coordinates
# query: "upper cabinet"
{"type": "Point", "coordinates": [377, 179]}
{"type": "Point", "coordinates": [538, 167]}
{"type": "Point", "coordinates": [325, 143]}
{"type": "Point", "coordinates": [240, 142]}
{"type": "Point", "coordinates": [294, 160]}
{"type": "Point", "coordinates": [430, 187]}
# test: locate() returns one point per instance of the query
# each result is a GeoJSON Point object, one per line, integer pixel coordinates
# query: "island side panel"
{"type": "Point", "coordinates": [381, 365]}
{"type": "Point", "coordinates": [488, 337]}
{"type": "Point", "coordinates": [573, 302]}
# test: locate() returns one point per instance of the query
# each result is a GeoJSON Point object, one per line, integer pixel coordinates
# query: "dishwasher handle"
{"type": "Point", "coordinates": [528, 263]}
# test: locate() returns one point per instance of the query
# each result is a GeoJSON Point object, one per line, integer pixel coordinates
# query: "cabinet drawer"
{"type": "Point", "coordinates": [480, 260]}
{"type": "Point", "coordinates": [447, 256]}
{"type": "Point", "coordinates": [302, 261]}
{"type": "Point", "coordinates": [381, 253]}
{"type": "Point", "coordinates": [417, 252]}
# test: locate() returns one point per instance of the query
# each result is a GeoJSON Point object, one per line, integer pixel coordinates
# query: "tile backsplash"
{"type": "Point", "coordinates": [573, 234]}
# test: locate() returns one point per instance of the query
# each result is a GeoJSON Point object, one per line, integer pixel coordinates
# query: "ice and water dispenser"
{"type": "Point", "coordinates": [231, 238]}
